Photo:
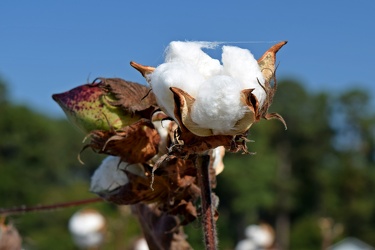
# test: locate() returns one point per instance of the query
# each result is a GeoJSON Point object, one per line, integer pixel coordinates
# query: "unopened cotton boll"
{"type": "Point", "coordinates": [110, 174]}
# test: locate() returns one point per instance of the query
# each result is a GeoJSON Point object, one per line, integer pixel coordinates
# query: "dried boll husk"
{"type": "Point", "coordinates": [136, 143]}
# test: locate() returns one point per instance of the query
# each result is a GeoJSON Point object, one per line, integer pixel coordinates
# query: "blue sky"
{"type": "Point", "coordinates": [49, 47]}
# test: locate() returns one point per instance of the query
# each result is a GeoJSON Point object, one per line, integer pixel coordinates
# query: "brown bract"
{"type": "Point", "coordinates": [130, 96]}
{"type": "Point", "coordinates": [134, 144]}
{"type": "Point", "coordinates": [267, 64]}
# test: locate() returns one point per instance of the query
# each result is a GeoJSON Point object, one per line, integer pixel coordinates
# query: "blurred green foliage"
{"type": "Point", "coordinates": [322, 167]}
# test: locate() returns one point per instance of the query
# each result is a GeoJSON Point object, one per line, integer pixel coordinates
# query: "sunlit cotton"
{"type": "Point", "coordinates": [216, 87]}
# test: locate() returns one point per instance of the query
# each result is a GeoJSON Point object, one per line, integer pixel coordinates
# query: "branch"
{"type": "Point", "coordinates": [39, 208]}
{"type": "Point", "coordinates": [208, 214]}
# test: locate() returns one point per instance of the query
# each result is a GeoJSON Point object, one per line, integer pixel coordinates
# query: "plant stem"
{"type": "Point", "coordinates": [24, 209]}
{"type": "Point", "coordinates": [208, 220]}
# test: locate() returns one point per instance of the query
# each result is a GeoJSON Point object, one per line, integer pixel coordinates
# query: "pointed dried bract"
{"type": "Point", "coordinates": [267, 63]}
{"type": "Point", "coordinates": [136, 143]}
{"type": "Point", "coordinates": [144, 70]}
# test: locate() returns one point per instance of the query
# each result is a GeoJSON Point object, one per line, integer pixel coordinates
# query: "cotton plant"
{"type": "Point", "coordinates": [165, 142]}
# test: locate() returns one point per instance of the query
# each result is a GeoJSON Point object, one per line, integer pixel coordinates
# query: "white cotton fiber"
{"type": "Point", "coordinates": [174, 74]}
{"type": "Point", "coordinates": [191, 53]}
{"type": "Point", "coordinates": [241, 64]}
{"type": "Point", "coordinates": [217, 105]}
{"type": "Point", "coordinates": [110, 174]}
{"type": "Point", "coordinates": [215, 87]}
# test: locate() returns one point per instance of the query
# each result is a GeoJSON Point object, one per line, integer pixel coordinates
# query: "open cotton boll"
{"type": "Point", "coordinates": [110, 174]}
{"type": "Point", "coordinates": [241, 64]}
{"type": "Point", "coordinates": [260, 235]}
{"type": "Point", "coordinates": [247, 244]}
{"type": "Point", "coordinates": [87, 228]}
{"type": "Point", "coordinates": [191, 53]}
{"type": "Point", "coordinates": [174, 74]}
{"type": "Point", "coordinates": [217, 105]}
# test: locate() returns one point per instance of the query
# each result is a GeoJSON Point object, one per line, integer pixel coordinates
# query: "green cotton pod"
{"type": "Point", "coordinates": [89, 107]}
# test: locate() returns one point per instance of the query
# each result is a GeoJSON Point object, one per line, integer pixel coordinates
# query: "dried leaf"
{"type": "Point", "coordinates": [136, 143]}
{"type": "Point", "coordinates": [171, 185]}
{"type": "Point", "coordinates": [130, 96]}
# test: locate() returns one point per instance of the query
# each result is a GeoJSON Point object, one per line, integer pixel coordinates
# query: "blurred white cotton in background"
{"type": "Point", "coordinates": [260, 235]}
{"type": "Point", "coordinates": [87, 228]}
{"type": "Point", "coordinates": [141, 244]}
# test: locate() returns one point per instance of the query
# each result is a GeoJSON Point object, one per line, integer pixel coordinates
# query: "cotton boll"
{"type": "Point", "coordinates": [141, 244]}
{"type": "Point", "coordinates": [191, 53]}
{"type": "Point", "coordinates": [260, 235]}
{"type": "Point", "coordinates": [174, 74]}
{"type": "Point", "coordinates": [87, 228]}
{"type": "Point", "coordinates": [241, 64]}
{"type": "Point", "coordinates": [247, 244]}
{"type": "Point", "coordinates": [217, 105]}
{"type": "Point", "coordinates": [110, 174]}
